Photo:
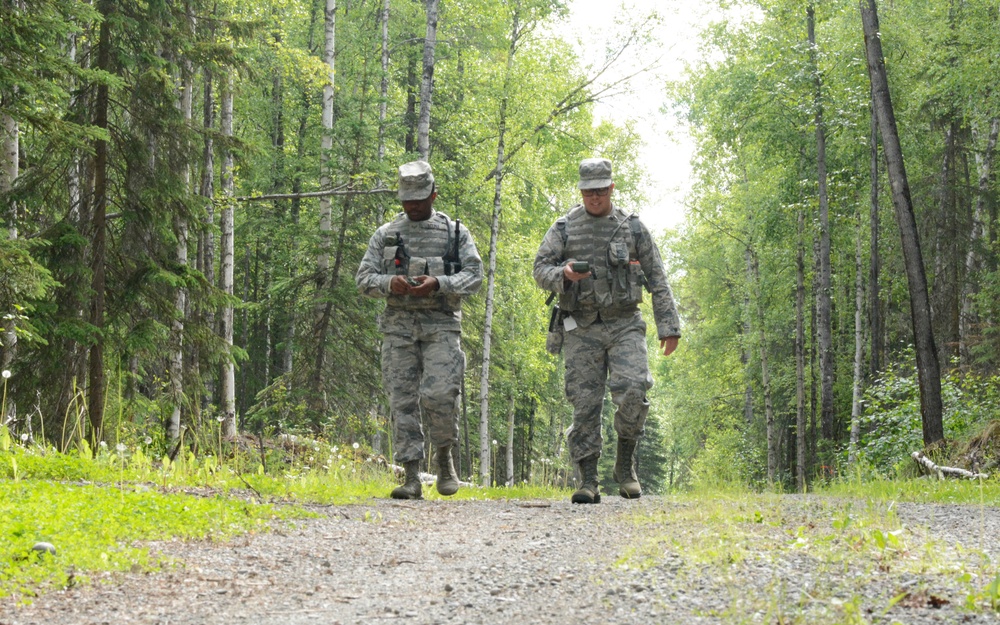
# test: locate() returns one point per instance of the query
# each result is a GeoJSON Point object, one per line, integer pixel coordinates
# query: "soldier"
{"type": "Point", "coordinates": [598, 259]}
{"type": "Point", "coordinates": [423, 264]}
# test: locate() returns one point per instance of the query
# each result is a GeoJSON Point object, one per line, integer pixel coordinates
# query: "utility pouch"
{"type": "Point", "coordinates": [554, 339]}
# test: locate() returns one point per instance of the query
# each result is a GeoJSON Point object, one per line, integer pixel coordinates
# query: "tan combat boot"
{"type": "Point", "coordinates": [628, 482]}
{"type": "Point", "coordinates": [447, 481]}
{"type": "Point", "coordinates": [411, 485]}
{"type": "Point", "coordinates": [590, 491]}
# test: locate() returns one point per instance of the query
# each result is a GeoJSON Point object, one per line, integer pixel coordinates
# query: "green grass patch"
{"type": "Point", "coordinates": [986, 492]}
{"type": "Point", "coordinates": [103, 528]}
{"type": "Point", "coordinates": [98, 509]}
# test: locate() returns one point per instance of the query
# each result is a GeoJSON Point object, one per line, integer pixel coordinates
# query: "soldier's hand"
{"type": "Point", "coordinates": [571, 275]}
{"type": "Point", "coordinates": [669, 344]}
{"type": "Point", "coordinates": [426, 286]}
{"type": "Point", "coordinates": [399, 286]}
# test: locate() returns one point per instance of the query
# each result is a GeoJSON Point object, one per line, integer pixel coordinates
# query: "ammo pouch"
{"type": "Point", "coordinates": [554, 339]}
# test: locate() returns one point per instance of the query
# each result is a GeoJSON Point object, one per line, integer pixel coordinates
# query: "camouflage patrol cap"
{"type": "Point", "coordinates": [416, 182]}
{"type": "Point", "coordinates": [595, 173]}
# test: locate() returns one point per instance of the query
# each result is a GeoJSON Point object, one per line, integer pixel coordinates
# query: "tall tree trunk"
{"type": "Point", "coordinates": [859, 346]}
{"type": "Point", "coordinates": [773, 436]}
{"type": "Point", "coordinates": [325, 208]}
{"type": "Point", "coordinates": [745, 357]}
{"type": "Point", "coordinates": [875, 321]}
{"type": "Point", "coordinates": [509, 481]}
{"type": "Point", "coordinates": [484, 386]}
{"type": "Point", "coordinates": [8, 175]}
{"type": "Point", "coordinates": [185, 104]}
{"type": "Point", "coordinates": [800, 356]}
{"type": "Point", "coordinates": [226, 244]}
{"type": "Point", "coordinates": [206, 233]}
{"type": "Point", "coordinates": [984, 162]}
{"type": "Point", "coordinates": [95, 404]}
{"type": "Point", "coordinates": [944, 293]}
{"type": "Point", "coordinates": [813, 351]}
{"type": "Point", "coordinates": [383, 93]}
{"type": "Point", "coordinates": [427, 81]}
{"type": "Point", "coordinates": [825, 330]}
{"type": "Point", "coordinates": [928, 368]}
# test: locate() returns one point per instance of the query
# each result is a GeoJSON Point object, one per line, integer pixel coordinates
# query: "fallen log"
{"type": "Point", "coordinates": [942, 472]}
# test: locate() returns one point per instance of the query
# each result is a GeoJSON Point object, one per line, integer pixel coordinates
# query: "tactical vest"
{"type": "Point", "coordinates": [422, 248]}
{"type": "Point", "coordinates": [616, 279]}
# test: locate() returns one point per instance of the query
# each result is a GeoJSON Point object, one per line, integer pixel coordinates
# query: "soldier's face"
{"type": "Point", "coordinates": [419, 210]}
{"type": "Point", "coordinates": [598, 201]}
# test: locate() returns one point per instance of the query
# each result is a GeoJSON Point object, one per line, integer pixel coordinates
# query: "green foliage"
{"type": "Point", "coordinates": [891, 423]}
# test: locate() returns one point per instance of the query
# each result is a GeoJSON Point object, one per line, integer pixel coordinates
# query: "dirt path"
{"type": "Point", "coordinates": [547, 562]}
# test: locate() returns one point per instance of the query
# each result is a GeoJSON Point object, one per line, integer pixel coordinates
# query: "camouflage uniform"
{"type": "Point", "coordinates": [605, 335]}
{"type": "Point", "coordinates": [422, 358]}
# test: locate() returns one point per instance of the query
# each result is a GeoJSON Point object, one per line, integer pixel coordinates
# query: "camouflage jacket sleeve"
{"type": "Point", "coordinates": [549, 262]}
{"type": "Point", "coordinates": [467, 281]}
{"type": "Point", "coordinates": [369, 278]}
{"type": "Point", "coordinates": [664, 310]}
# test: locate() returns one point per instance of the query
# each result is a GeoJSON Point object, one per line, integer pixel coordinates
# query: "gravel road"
{"type": "Point", "coordinates": [525, 562]}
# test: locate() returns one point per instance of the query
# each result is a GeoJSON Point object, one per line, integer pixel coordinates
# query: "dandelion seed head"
{"type": "Point", "coordinates": [355, 445]}
{"type": "Point", "coordinates": [6, 374]}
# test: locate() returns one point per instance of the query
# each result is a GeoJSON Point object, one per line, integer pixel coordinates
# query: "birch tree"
{"type": "Point", "coordinates": [427, 80]}
{"type": "Point", "coordinates": [227, 248]}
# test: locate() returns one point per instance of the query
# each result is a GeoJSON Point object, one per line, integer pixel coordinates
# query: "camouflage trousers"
{"type": "Point", "coordinates": [422, 373]}
{"type": "Point", "coordinates": [611, 353]}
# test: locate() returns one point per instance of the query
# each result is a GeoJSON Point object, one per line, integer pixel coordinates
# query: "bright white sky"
{"type": "Point", "coordinates": [668, 148]}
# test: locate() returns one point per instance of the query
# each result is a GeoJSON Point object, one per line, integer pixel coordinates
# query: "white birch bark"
{"type": "Point", "coordinates": [326, 143]}
{"type": "Point", "coordinates": [427, 81]}
{"type": "Point", "coordinates": [484, 414]}
{"type": "Point", "coordinates": [510, 442]}
{"type": "Point", "coordinates": [859, 347]}
{"type": "Point", "coordinates": [227, 258]}
{"type": "Point", "coordinates": [185, 102]}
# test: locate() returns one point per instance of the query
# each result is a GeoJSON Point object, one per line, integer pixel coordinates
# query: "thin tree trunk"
{"type": "Point", "coordinates": [318, 402]}
{"type": "Point", "coordinates": [206, 234]}
{"type": "Point", "coordinates": [185, 104]}
{"type": "Point", "coordinates": [753, 269]}
{"type": "Point", "coordinates": [813, 352]}
{"type": "Point", "coordinates": [800, 357]}
{"type": "Point", "coordinates": [826, 364]}
{"type": "Point", "coordinates": [95, 404]}
{"type": "Point", "coordinates": [427, 81]}
{"type": "Point", "coordinates": [227, 241]}
{"type": "Point", "coordinates": [859, 347]}
{"type": "Point", "coordinates": [984, 161]}
{"type": "Point", "coordinates": [11, 152]}
{"type": "Point", "coordinates": [484, 420]}
{"type": "Point", "coordinates": [928, 368]}
{"type": "Point", "coordinates": [875, 321]}
{"type": "Point", "coordinates": [383, 100]}
{"type": "Point", "coordinates": [510, 442]}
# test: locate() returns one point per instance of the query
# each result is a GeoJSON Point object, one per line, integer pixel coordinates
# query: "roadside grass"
{"type": "Point", "coordinates": [100, 509]}
{"type": "Point", "coordinates": [922, 490]}
{"type": "Point", "coordinates": [862, 561]}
